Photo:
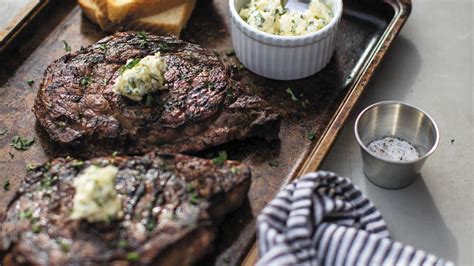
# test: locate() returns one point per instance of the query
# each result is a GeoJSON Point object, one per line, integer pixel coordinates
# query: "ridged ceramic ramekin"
{"type": "Point", "coordinates": [283, 57]}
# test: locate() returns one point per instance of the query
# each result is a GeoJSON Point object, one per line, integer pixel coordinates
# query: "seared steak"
{"type": "Point", "coordinates": [170, 205]}
{"type": "Point", "coordinates": [201, 106]}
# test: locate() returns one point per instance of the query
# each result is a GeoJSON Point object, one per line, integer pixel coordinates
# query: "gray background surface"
{"type": "Point", "coordinates": [431, 66]}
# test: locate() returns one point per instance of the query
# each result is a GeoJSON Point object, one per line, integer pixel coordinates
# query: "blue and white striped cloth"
{"type": "Point", "coordinates": [323, 219]}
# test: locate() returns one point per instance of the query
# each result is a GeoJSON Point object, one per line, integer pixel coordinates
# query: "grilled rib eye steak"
{"type": "Point", "coordinates": [170, 203]}
{"type": "Point", "coordinates": [201, 106]}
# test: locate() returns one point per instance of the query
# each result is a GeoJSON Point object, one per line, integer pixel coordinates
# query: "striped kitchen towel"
{"type": "Point", "coordinates": [323, 219]}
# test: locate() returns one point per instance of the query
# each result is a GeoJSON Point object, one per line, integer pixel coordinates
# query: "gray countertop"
{"type": "Point", "coordinates": [431, 66]}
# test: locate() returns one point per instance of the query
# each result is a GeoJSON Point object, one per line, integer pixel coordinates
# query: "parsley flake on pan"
{"type": "Point", "coordinates": [31, 166]}
{"type": "Point", "coordinates": [274, 164]}
{"type": "Point", "coordinates": [6, 185]}
{"type": "Point", "coordinates": [85, 81]}
{"type": "Point", "coordinates": [311, 136]}
{"type": "Point", "coordinates": [67, 47]}
{"type": "Point", "coordinates": [231, 52]}
{"type": "Point", "coordinates": [133, 256]}
{"type": "Point", "coordinates": [292, 95]}
{"type": "Point", "coordinates": [305, 103]}
{"type": "Point", "coordinates": [20, 143]}
{"type": "Point", "coordinates": [220, 159]}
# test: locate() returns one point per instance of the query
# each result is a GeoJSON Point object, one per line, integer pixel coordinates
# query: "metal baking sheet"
{"type": "Point", "coordinates": [307, 132]}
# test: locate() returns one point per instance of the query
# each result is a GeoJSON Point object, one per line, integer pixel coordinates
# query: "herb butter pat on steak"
{"type": "Point", "coordinates": [96, 199]}
{"type": "Point", "coordinates": [170, 205]}
{"type": "Point", "coordinates": [141, 77]}
{"type": "Point", "coordinates": [195, 106]}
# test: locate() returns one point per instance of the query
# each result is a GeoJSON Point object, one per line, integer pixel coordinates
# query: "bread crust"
{"type": "Point", "coordinates": [128, 10]}
{"type": "Point", "coordinates": [171, 17]}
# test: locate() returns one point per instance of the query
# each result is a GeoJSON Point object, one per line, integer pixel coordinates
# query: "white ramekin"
{"type": "Point", "coordinates": [283, 57]}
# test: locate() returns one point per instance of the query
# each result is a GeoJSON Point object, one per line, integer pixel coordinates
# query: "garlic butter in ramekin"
{"type": "Point", "coordinates": [272, 17]}
{"type": "Point", "coordinates": [281, 44]}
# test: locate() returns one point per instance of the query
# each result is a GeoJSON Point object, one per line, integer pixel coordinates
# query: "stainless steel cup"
{"type": "Point", "coordinates": [395, 119]}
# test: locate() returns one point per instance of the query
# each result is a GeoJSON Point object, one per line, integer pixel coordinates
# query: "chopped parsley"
{"type": "Point", "coordinates": [234, 170]}
{"type": "Point", "coordinates": [311, 136]}
{"type": "Point", "coordinates": [31, 167]}
{"type": "Point", "coordinates": [36, 228]}
{"type": "Point", "coordinates": [194, 198]}
{"type": "Point", "coordinates": [129, 65]}
{"type": "Point", "coordinates": [260, 18]}
{"type": "Point", "coordinates": [148, 99]}
{"type": "Point", "coordinates": [231, 52]}
{"type": "Point", "coordinates": [292, 95]}
{"type": "Point", "coordinates": [284, 11]}
{"type": "Point", "coordinates": [103, 47]}
{"type": "Point", "coordinates": [143, 39]}
{"type": "Point", "coordinates": [85, 81]}
{"type": "Point", "coordinates": [150, 225]}
{"type": "Point", "coordinates": [64, 245]}
{"type": "Point", "coordinates": [274, 164]}
{"type": "Point", "coordinates": [133, 256]}
{"type": "Point", "coordinates": [241, 67]}
{"type": "Point", "coordinates": [20, 143]}
{"type": "Point", "coordinates": [6, 185]}
{"type": "Point", "coordinates": [193, 195]}
{"type": "Point", "coordinates": [190, 187]}
{"type": "Point", "coordinates": [164, 47]}
{"type": "Point", "coordinates": [30, 82]}
{"type": "Point", "coordinates": [26, 214]}
{"type": "Point", "coordinates": [77, 163]}
{"type": "Point", "coordinates": [48, 181]}
{"type": "Point", "coordinates": [122, 244]}
{"type": "Point", "coordinates": [142, 35]}
{"type": "Point", "coordinates": [67, 47]}
{"type": "Point", "coordinates": [3, 131]}
{"type": "Point", "coordinates": [305, 103]}
{"type": "Point", "coordinates": [220, 159]}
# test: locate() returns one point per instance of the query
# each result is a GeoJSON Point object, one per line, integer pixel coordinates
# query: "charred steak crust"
{"type": "Point", "coordinates": [170, 203]}
{"type": "Point", "coordinates": [201, 107]}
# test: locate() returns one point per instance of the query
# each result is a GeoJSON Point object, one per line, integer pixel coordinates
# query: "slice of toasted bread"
{"type": "Point", "coordinates": [121, 10]}
{"type": "Point", "coordinates": [92, 11]}
{"type": "Point", "coordinates": [171, 21]}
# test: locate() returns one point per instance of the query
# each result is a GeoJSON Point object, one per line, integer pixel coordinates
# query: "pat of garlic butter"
{"type": "Point", "coordinates": [96, 198]}
{"type": "Point", "coordinates": [272, 17]}
{"type": "Point", "coordinates": [140, 77]}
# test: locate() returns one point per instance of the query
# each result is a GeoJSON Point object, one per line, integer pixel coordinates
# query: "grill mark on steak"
{"type": "Point", "coordinates": [171, 203]}
{"type": "Point", "coordinates": [201, 107]}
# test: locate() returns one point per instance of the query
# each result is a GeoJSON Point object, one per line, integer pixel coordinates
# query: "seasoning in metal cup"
{"type": "Point", "coordinates": [395, 140]}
